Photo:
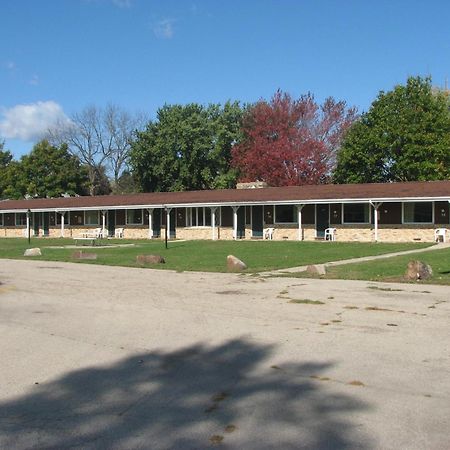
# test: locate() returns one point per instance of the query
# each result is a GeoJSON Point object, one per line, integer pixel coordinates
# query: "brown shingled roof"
{"type": "Point", "coordinates": [289, 194]}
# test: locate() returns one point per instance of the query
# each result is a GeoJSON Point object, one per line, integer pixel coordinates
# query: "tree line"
{"type": "Point", "coordinates": [404, 136]}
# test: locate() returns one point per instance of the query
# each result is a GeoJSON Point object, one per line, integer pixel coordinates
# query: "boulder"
{"type": "Point", "coordinates": [32, 252]}
{"type": "Point", "coordinates": [235, 264]}
{"type": "Point", "coordinates": [316, 270]}
{"type": "Point", "coordinates": [150, 259]}
{"type": "Point", "coordinates": [82, 255]}
{"type": "Point", "coordinates": [418, 270]}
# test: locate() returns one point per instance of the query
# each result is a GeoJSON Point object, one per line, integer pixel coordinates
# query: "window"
{"type": "Point", "coordinates": [418, 212]}
{"type": "Point", "coordinates": [91, 218]}
{"type": "Point", "coordinates": [356, 213]}
{"type": "Point", "coordinates": [21, 219]}
{"type": "Point", "coordinates": [1, 220]}
{"type": "Point", "coordinates": [198, 217]}
{"type": "Point", "coordinates": [285, 214]}
{"type": "Point", "coordinates": [134, 217]}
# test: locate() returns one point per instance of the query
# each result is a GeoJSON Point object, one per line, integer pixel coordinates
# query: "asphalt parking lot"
{"type": "Point", "coordinates": [120, 358]}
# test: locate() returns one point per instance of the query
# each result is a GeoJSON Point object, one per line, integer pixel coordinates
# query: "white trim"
{"type": "Point", "coordinates": [240, 203]}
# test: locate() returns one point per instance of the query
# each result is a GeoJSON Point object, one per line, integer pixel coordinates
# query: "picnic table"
{"type": "Point", "coordinates": [87, 239]}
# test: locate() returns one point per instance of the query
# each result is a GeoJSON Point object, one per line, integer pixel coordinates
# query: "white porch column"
{"type": "Point", "coordinates": [150, 222]}
{"type": "Point", "coordinates": [168, 222]}
{"type": "Point", "coordinates": [62, 214]}
{"type": "Point", "coordinates": [213, 222]}
{"type": "Point", "coordinates": [299, 218]}
{"type": "Point", "coordinates": [235, 210]}
{"type": "Point", "coordinates": [375, 221]}
{"type": "Point", "coordinates": [28, 222]}
{"type": "Point", "coordinates": [103, 224]}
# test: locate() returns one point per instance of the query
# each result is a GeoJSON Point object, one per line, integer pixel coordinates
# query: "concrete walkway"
{"type": "Point", "coordinates": [297, 269]}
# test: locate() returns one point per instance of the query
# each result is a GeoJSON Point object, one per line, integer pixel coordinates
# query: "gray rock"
{"type": "Point", "coordinates": [235, 264]}
{"type": "Point", "coordinates": [316, 270]}
{"type": "Point", "coordinates": [418, 270]}
{"type": "Point", "coordinates": [82, 255]}
{"type": "Point", "coordinates": [150, 259]}
{"type": "Point", "coordinates": [32, 252]}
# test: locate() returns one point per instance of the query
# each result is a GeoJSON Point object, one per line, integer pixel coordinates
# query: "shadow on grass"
{"type": "Point", "coordinates": [190, 399]}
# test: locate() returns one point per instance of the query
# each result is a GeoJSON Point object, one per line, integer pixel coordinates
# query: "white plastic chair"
{"type": "Point", "coordinates": [268, 233]}
{"type": "Point", "coordinates": [330, 234]}
{"type": "Point", "coordinates": [440, 234]}
{"type": "Point", "coordinates": [118, 233]}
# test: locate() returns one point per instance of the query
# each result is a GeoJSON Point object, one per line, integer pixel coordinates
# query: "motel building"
{"type": "Point", "coordinates": [383, 212]}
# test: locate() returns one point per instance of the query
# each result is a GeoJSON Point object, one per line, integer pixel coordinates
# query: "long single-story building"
{"type": "Point", "coordinates": [386, 212]}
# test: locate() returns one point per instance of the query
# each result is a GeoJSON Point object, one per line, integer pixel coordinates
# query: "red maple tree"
{"type": "Point", "coordinates": [291, 142]}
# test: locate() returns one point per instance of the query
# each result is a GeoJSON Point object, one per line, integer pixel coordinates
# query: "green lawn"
{"type": "Point", "coordinates": [207, 256]}
{"type": "Point", "coordinates": [393, 269]}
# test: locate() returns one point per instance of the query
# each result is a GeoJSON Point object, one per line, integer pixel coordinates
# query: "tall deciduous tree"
{"type": "Point", "coordinates": [100, 138]}
{"type": "Point", "coordinates": [187, 147]}
{"type": "Point", "coordinates": [6, 163]}
{"type": "Point", "coordinates": [405, 136]}
{"type": "Point", "coordinates": [48, 171]}
{"type": "Point", "coordinates": [291, 142]}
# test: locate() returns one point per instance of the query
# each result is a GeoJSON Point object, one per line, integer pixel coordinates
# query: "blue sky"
{"type": "Point", "coordinates": [58, 56]}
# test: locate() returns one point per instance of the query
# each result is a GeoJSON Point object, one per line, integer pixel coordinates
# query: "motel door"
{"type": "Point", "coordinates": [111, 223]}
{"type": "Point", "coordinates": [156, 222]}
{"type": "Point", "coordinates": [257, 221]}
{"type": "Point", "coordinates": [36, 223]}
{"type": "Point", "coordinates": [322, 219]}
{"type": "Point", "coordinates": [46, 223]}
{"type": "Point", "coordinates": [241, 223]}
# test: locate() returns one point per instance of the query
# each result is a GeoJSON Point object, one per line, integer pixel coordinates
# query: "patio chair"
{"type": "Point", "coordinates": [330, 234]}
{"type": "Point", "coordinates": [440, 234]}
{"type": "Point", "coordinates": [118, 233]}
{"type": "Point", "coordinates": [268, 233]}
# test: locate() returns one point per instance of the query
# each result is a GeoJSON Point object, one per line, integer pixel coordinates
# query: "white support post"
{"type": "Point", "coordinates": [235, 210]}
{"type": "Point", "coordinates": [62, 214]}
{"type": "Point", "coordinates": [213, 222]}
{"type": "Point", "coordinates": [103, 224]}
{"type": "Point", "coordinates": [150, 222]}
{"type": "Point", "coordinates": [28, 222]}
{"type": "Point", "coordinates": [299, 217]}
{"type": "Point", "coordinates": [375, 221]}
{"type": "Point", "coordinates": [168, 210]}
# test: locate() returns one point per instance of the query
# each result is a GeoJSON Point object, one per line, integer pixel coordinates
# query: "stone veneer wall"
{"type": "Point", "coordinates": [410, 234]}
{"type": "Point", "coordinates": [346, 233]}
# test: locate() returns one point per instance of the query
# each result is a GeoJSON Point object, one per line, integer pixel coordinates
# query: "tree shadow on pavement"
{"type": "Point", "coordinates": [198, 397]}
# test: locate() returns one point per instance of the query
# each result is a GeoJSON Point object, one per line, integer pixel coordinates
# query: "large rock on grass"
{"type": "Point", "coordinates": [316, 270]}
{"type": "Point", "coordinates": [82, 255]}
{"type": "Point", "coordinates": [418, 270]}
{"type": "Point", "coordinates": [32, 252]}
{"type": "Point", "coordinates": [235, 264]}
{"type": "Point", "coordinates": [150, 259]}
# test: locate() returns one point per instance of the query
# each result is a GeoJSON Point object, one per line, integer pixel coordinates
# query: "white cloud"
{"type": "Point", "coordinates": [164, 29]}
{"type": "Point", "coordinates": [31, 122]}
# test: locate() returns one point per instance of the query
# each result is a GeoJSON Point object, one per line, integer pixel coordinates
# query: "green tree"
{"type": "Point", "coordinates": [405, 136]}
{"type": "Point", "coordinates": [6, 166]}
{"type": "Point", "coordinates": [48, 171]}
{"type": "Point", "coordinates": [187, 147]}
